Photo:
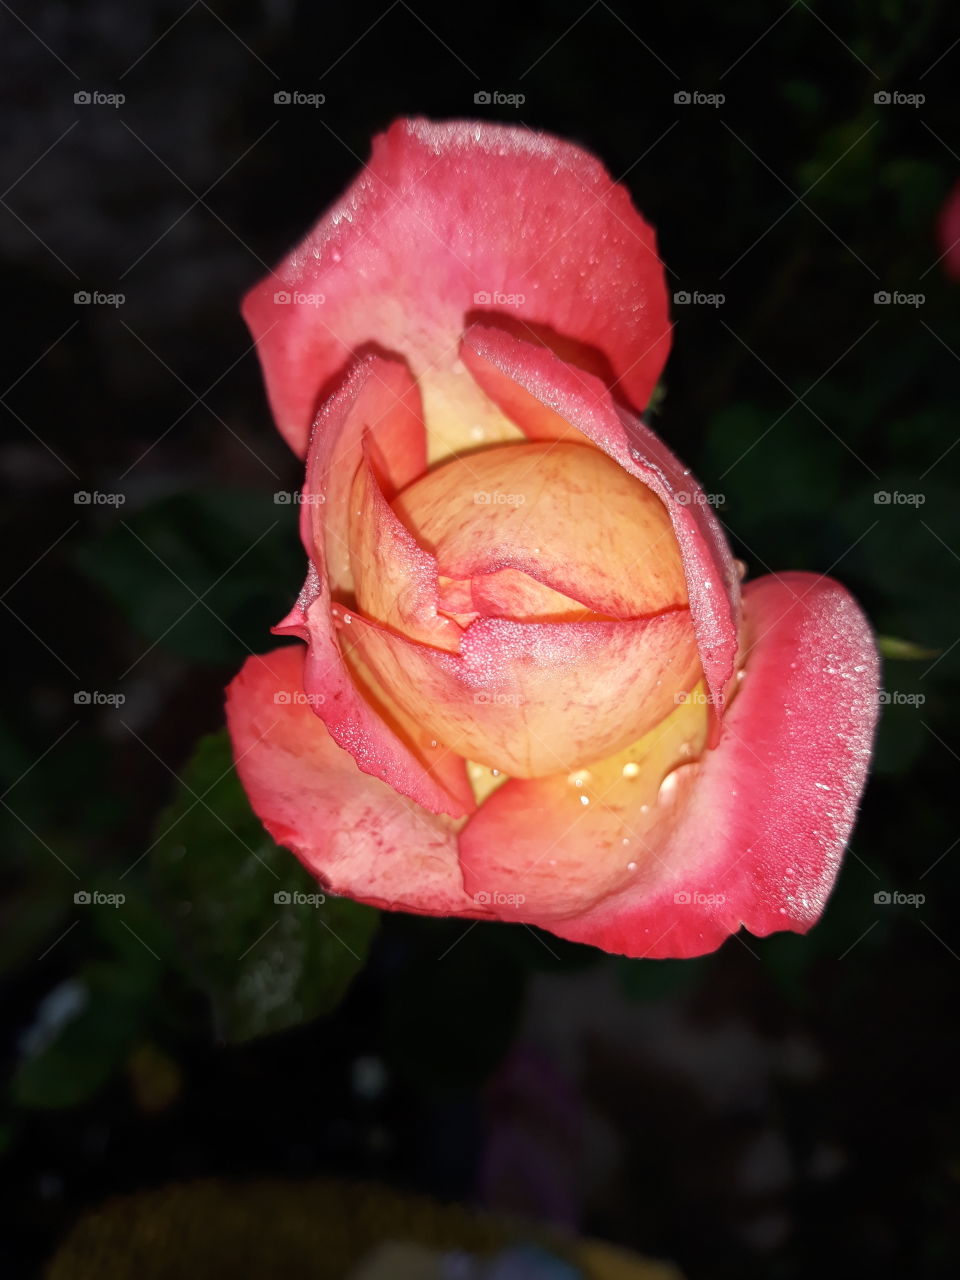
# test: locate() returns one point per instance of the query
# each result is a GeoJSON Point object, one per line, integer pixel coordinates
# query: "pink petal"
{"type": "Point", "coordinates": [948, 233]}
{"type": "Point", "coordinates": [442, 215]}
{"type": "Point", "coordinates": [548, 397]}
{"type": "Point", "coordinates": [751, 834]}
{"type": "Point", "coordinates": [365, 404]}
{"type": "Point", "coordinates": [355, 833]}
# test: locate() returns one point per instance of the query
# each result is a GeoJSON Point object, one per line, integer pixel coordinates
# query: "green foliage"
{"type": "Point", "coordinates": [202, 573]}
{"type": "Point", "coordinates": [257, 933]}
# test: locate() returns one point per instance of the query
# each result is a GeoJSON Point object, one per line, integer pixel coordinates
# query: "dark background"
{"type": "Point", "coordinates": [785, 1106]}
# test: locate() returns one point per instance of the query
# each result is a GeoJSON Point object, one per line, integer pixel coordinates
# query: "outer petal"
{"type": "Point", "coordinates": [753, 832]}
{"type": "Point", "coordinates": [354, 832]}
{"type": "Point", "coordinates": [362, 408]}
{"type": "Point", "coordinates": [448, 219]}
{"type": "Point", "coordinates": [551, 399]}
{"type": "Point", "coordinates": [948, 233]}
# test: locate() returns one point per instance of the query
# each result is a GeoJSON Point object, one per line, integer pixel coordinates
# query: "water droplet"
{"type": "Point", "coordinates": [495, 773]}
{"type": "Point", "coordinates": [668, 786]}
{"type": "Point", "coordinates": [584, 799]}
{"type": "Point", "coordinates": [347, 619]}
{"type": "Point", "coordinates": [631, 769]}
{"type": "Point", "coordinates": [578, 777]}
{"type": "Point", "coordinates": [433, 742]}
{"type": "Point", "coordinates": [644, 808]}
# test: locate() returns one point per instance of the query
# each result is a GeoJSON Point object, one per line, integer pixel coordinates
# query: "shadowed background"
{"type": "Point", "coordinates": [784, 1105]}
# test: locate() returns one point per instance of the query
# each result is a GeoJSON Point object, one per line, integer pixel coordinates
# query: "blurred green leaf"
{"type": "Point", "coordinates": [258, 935]}
{"type": "Point", "coordinates": [904, 650]}
{"type": "Point", "coordinates": [234, 549]}
{"type": "Point", "coordinates": [82, 1032]}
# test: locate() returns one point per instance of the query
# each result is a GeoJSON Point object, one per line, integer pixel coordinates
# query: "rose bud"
{"type": "Point", "coordinates": [531, 689]}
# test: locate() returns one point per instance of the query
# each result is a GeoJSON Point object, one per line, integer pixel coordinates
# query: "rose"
{"type": "Point", "coordinates": [948, 233]}
{"type": "Point", "coordinates": [545, 703]}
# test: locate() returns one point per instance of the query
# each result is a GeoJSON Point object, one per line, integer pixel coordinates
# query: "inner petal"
{"type": "Point", "coordinates": [562, 513]}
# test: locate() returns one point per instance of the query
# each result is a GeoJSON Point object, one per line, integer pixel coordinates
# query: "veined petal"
{"type": "Point", "coordinates": [449, 219]}
{"type": "Point", "coordinates": [549, 398]}
{"type": "Point", "coordinates": [354, 832]}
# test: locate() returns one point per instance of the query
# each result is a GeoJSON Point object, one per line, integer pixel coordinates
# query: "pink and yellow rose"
{"type": "Point", "coordinates": [532, 687]}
